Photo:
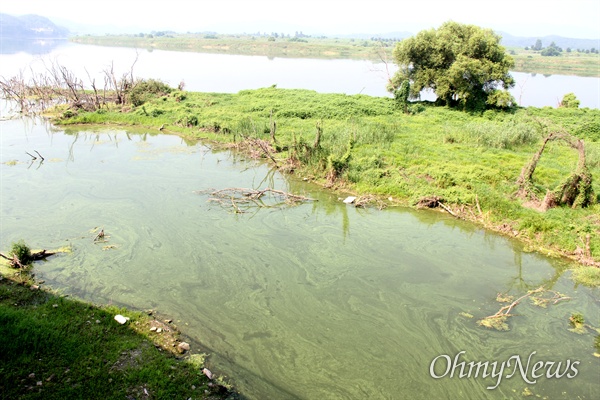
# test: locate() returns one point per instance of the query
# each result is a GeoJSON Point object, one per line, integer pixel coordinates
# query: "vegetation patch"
{"type": "Point", "coordinates": [54, 347]}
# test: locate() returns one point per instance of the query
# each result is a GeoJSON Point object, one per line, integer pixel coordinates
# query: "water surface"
{"type": "Point", "coordinates": [227, 73]}
{"type": "Point", "coordinates": [321, 300]}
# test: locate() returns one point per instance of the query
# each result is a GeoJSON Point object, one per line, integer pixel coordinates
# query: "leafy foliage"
{"type": "Point", "coordinates": [569, 100]}
{"type": "Point", "coordinates": [146, 89]}
{"type": "Point", "coordinates": [551, 51]}
{"type": "Point", "coordinates": [463, 64]}
{"type": "Point", "coordinates": [22, 251]}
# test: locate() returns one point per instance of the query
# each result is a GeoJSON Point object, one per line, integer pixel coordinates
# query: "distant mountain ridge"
{"type": "Point", "coordinates": [508, 40]}
{"type": "Point", "coordinates": [560, 41]}
{"type": "Point", "coordinates": [30, 27]}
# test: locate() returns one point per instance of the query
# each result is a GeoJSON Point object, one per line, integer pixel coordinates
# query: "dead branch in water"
{"type": "Point", "coordinates": [240, 199]}
{"type": "Point", "coordinates": [38, 255]}
{"type": "Point", "coordinates": [497, 320]}
{"type": "Point", "coordinates": [365, 201]}
{"type": "Point", "coordinates": [434, 202]}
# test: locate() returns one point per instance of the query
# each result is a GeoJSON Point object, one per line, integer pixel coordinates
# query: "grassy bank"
{"type": "Point", "coordinates": [54, 347]}
{"type": "Point", "coordinates": [366, 145]}
{"type": "Point", "coordinates": [329, 48]}
{"type": "Point", "coordinates": [573, 63]}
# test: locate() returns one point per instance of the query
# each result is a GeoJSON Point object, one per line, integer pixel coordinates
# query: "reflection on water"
{"type": "Point", "coordinates": [30, 46]}
{"type": "Point", "coordinates": [222, 73]}
{"type": "Point", "coordinates": [321, 300]}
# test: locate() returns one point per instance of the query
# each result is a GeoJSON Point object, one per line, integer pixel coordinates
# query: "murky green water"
{"type": "Point", "coordinates": [320, 301]}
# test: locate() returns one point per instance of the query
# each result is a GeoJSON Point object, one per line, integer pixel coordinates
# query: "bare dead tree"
{"type": "Point", "coordinates": [382, 55]}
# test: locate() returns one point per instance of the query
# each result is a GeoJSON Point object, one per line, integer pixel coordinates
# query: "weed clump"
{"type": "Point", "coordinates": [146, 90]}
{"type": "Point", "coordinates": [21, 251]}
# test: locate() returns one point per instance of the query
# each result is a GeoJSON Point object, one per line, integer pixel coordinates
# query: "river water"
{"type": "Point", "coordinates": [232, 73]}
{"type": "Point", "coordinates": [317, 301]}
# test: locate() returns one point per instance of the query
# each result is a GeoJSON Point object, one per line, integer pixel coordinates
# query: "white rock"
{"type": "Point", "coordinates": [349, 199]}
{"type": "Point", "coordinates": [153, 329]}
{"type": "Point", "coordinates": [121, 319]}
{"type": "Point", "coordinates": [207, 372]}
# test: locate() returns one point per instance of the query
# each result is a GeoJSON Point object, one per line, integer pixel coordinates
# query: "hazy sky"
{"type": "Point", "coordinates": [571, 18]}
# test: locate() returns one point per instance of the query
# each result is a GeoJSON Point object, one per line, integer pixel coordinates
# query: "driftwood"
{"type": "Point", "coordinates": [240, 199]}
{"type": "Point", "coordinates": [368, 200]}
{"type": "Point", "coordinates": [99, 236]}
{"type": "Point", "coordinates": [497, 320]}
{"type": "Point", "coordinates": [39, 255]}
{"type": "Point", "coordinates": [434, 202]}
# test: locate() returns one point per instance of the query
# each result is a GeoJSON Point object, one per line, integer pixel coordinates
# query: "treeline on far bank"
{"type": "Point", "coordinates": [577, 63]}
{"type": "Point", "coordinates": [369, 145]}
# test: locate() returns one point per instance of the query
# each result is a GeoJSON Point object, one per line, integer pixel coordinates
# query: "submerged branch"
{"type": "Point", "coordinates": [240, 199]}
{"type": "Point", "coordinates": [498, 320]}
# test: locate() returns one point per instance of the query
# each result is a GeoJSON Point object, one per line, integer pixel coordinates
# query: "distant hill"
{"type": "Point", "coordinates": [30, 27]}
{"type": "Point", "coordinates": [563, 42]}
{"type": "Point", "coordinates": [508, 40]}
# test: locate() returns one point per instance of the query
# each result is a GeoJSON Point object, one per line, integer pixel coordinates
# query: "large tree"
{"type": "Point", "coordinates": [463, 64]}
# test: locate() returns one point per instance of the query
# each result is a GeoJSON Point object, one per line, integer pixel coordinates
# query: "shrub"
{"type": "Point", "coordinates": [569, 100]}
{"type": "Point", "coordinates": [146, 89]}
{"type": "Point", "coordinates": [21, 251]}
{"type": "Point", "coordinates": [69, 114]}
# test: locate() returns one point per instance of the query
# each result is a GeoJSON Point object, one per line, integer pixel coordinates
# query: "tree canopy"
{"type": "Point", "coordinates": [463, 64]}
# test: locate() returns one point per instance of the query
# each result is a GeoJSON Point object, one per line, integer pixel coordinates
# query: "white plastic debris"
{"type": "Point", "coordinates": [207, 372]}
{"type": "Point", "coordinates": [121, 319]}
{"type": "Point", "coordinates": [349, 199]}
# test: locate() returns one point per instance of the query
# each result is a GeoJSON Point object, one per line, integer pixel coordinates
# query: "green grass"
{"type": "Point", "coordinates": [466, 159]}
{"type": "Point", "coordinates": [587, 276]}
{"type": "Point", "coordinates": [573, 63]}
{"type": "Point", "coordinates": [54, 347]}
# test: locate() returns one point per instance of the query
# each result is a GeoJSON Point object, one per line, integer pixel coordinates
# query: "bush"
{"type": "Point", "coordinates": [21, 251]}
{"type": "Point", "coordinates": [146, 89]}
{"type": "Point", "coordinates": [569, 100]}
{"type": "Point", "coordinates": [69, 114]}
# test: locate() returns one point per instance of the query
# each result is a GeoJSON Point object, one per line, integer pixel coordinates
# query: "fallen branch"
{"type": "Point", "coordinates": [100, 236]}
{"type": "Point", "coordinates": [448, 210]}
{"type": "Point", "coordinates": [364, 201]}
{"type": "Point", "coordinates": [240, 199]}
{"type": "Point", "coordinates": [16, 263]}
{"type": "Point", "coordinates": [434, 202]}
{"type": "Point", "coordinates": [497, 320]}
{"type": "Point", "coordinates": [40, 255]}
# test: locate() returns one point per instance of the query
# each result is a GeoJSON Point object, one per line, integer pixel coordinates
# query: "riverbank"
{"type": "Point", "coordinates": [571, 63]}
{"type": "Point", "coordinates": [57, 347]}
{"type": "Point", "coordinates": [365, 145]}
